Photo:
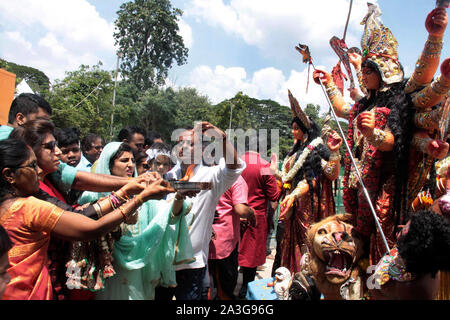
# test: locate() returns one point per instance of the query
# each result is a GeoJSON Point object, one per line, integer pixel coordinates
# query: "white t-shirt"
{"type": "Point", "coordinates": [201, 216]}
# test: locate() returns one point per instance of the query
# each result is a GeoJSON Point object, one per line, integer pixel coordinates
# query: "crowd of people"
{"type": "Point", "coordinates": [85, 220]}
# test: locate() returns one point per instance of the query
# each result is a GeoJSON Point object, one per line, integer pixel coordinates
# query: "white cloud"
{"type": "Point", "coordinates": [19, 39]}
{"type": "Point", "coordinates": [223, 83]}
{"type": "Point", "coordinates": [55, 36]}
{"type": "Point", "coordinates": [185, 31]}
{"type": "Point", "coordinates": [273, 26]}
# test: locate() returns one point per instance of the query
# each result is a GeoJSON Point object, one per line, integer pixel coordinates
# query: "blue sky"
{"type": "Point", "coordinates": [234, 45]}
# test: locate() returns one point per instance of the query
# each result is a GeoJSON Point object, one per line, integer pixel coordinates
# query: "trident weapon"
{"type": "Point", "coordinates": [341, 49]}
{"type": "Point", "coordinates": [366, 193]}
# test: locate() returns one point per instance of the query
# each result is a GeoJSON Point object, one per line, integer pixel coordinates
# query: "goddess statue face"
{"type": "Point", "coordinates": [371, 78]}
{"type": "Point", "coordinates": [297, 133]}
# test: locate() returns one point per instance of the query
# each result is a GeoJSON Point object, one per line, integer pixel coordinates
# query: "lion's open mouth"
{"type": "Point", "coordinates": [338, 262]}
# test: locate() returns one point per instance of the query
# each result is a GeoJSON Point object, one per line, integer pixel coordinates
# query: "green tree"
{"type": "Point", "coordinates": [36, 79]}
{"type": "Point", "coordinates": [313, 112]}
{"type": "Point", "coordinates": [192, 106]}
{"type": "Point", "coordinates": [83, 99]}
{"type": "Point", "coordinates": [156, 110]}
{"type": "Point", "coordinates": [148, 39]}
{"type": "Point", "coordinates": [250, 113]}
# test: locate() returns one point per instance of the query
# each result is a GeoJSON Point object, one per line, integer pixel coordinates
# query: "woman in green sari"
{"type": "Point", "coordinates": [147, 252]}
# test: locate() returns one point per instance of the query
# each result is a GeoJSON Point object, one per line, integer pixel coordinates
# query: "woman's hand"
{"type": "Point", "coordinates": [366, 123]}
{"type": "Point", "coordinates": [334, 141]}
{"type": "Point", "coordinates": [135, 186]}
{"type": "Point", "coordinates": [286, 207]}
{"type": "Point", "coordinates": [156, 190]}
{"type": "Point", "coordinates": [324, 76]}
{"type": "Point", "coordinates": [436, 22]}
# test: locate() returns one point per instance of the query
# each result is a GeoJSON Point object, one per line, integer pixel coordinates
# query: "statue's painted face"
{"type": "Point", "coordinates": [371, 78]}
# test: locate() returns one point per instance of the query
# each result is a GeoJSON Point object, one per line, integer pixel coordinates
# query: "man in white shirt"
{"type": "Point", "coordinates": [190, 276]}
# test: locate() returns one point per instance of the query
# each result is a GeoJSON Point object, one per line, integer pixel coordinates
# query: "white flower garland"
{"type": "Point", "coordinates": [442, 167]}
{"type": "Point", "coordinates": [288, 176]}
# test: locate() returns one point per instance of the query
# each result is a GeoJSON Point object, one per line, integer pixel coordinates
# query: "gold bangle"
{"type": "Point", "coordinates": [119, 197]}
{"type": "Point", "coordinates": [139, 199]}
{"type": "Point", "coordinates": [122, 210]}
{"type": "Point", "coordinates": [428, 119]}
{"type": "Point", "coordinates": [98, 209]}
{"type": "Point", "coordinates": [111, 203]}
{"type": "Point", "coordinates": [377, 138]}
{"type": "Point", "coordinates": [433, 47]}
{"type": "Point", "coordinates": [440, 86]}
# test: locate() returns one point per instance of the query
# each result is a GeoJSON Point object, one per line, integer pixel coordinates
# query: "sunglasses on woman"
{"type": "Point", "coordinates": [50, 145]}
{"type": "Point", "coordinates": [32, 165]}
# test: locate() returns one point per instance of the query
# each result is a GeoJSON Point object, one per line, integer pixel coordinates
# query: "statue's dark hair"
{"type": "Point", "coordinates": [312, 168]}
{"type": "Point", "coordinates": [401, 123]}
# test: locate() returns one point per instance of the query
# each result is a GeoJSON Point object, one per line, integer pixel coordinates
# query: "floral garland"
{"type": "Point", "coordinates": [369, 173]}
{"type": "Point", "coordinates": [442, 166]}
{"type": "Point", "coordinates": [288, 176]}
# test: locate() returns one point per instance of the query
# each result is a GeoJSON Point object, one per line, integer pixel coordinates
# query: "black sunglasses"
{"type": "Point", "coordinates": [32, 165]}
{"type": "Point", "coordinates": [50, 145]}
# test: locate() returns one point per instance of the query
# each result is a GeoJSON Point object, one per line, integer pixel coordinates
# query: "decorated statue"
{"type": "Point", "coordinates": [332, 261]}
{"type": "Point", "coordinates": [305, 176]}
{"type": "Point", "coordinates": [384, 132]}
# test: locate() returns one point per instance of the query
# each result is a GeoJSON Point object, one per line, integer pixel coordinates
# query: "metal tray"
{"type": "Point", "coordinates": [187, 185]}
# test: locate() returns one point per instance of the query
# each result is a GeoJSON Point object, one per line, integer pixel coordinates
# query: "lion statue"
{"type": "Point", "coordinates": [332, 259]}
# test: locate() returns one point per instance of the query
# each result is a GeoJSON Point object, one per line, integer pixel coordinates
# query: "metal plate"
{"type": "Point", "coordinates": [187, 185]}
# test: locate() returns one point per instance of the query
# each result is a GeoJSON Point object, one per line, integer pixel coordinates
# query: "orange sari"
{"type": "Point", "coordinates": [29, 222]}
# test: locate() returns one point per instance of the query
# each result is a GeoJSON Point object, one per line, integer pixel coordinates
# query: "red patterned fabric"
{"type": "Point", "coordinates": [338, 77]}
{"type": "Point", "coordinates": [380, 188]}
{"type": "Point", "coordinates": [294, 234]}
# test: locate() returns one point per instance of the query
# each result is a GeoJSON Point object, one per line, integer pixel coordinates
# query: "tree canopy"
{"type": "Point", "coordinates": [36, 79]}
{"type": "Point", "coordinates": [149, 42]}
{"type": "Point", "coordinates": [83, 99]}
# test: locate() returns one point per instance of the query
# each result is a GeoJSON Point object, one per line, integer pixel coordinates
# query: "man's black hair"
{"type": "Point", "coordinates": [27, 103]}
{"type": "Point", "coordinates": [67, 136]}
{"type": "Point", "coordinates": [425, 247]}
{"type": "Point", "coordinates": [128, 132]}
